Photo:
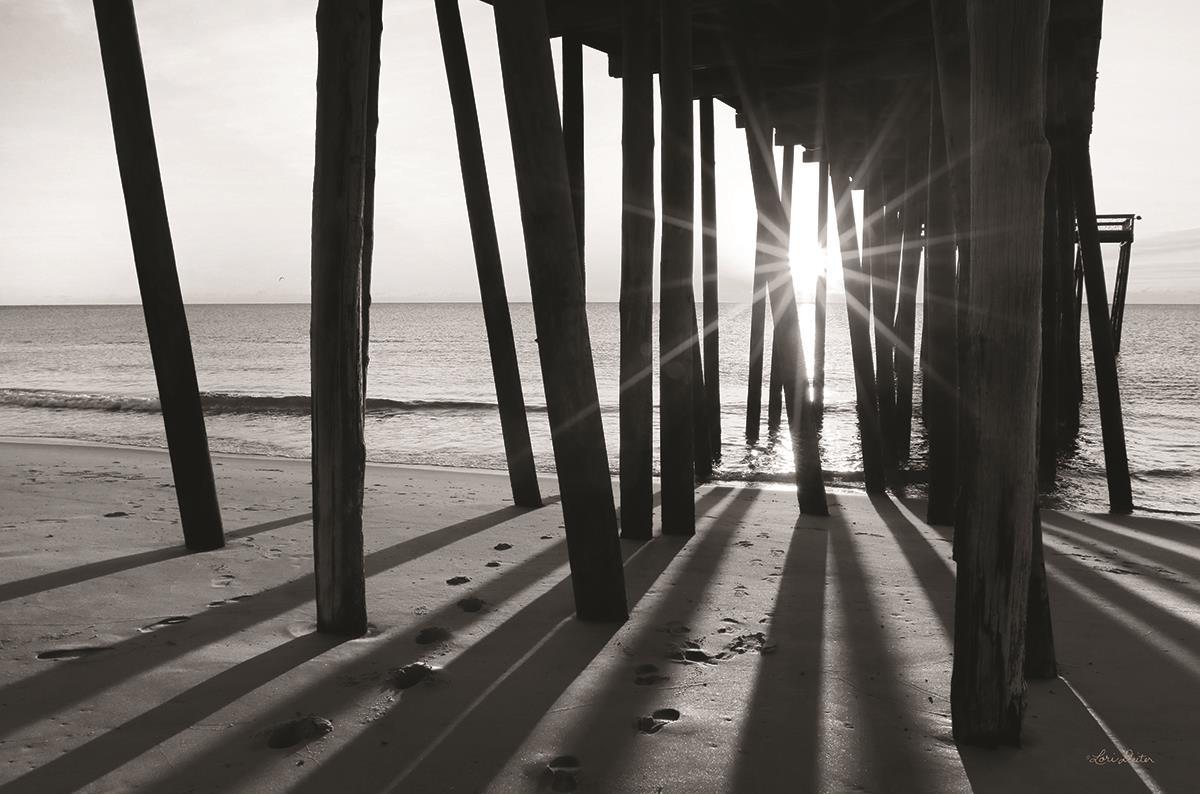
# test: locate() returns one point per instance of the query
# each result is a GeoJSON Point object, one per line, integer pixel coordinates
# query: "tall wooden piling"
{"type": "Point", "coordinates": [676, 324]}
{"type": "Point", "coordinates": [883, 300]}
{"type": "Point", "coordinates": [338, 451]}
{"type": "Point", "coordinates": [158, 279]}
{"type": "Point", "coordinates": [637, 267]}
{"type": "Point", "coordinates": [820, 296]}
{"type": "Point", "coordinates": [712, 305]}
{"type": "Point", "coordinates": [1008, 176]}
{"type": "Point", "coordinates": [572, 120]}
{"type": "Point", "coordinates": [912, 219]}
{"type": "Point", "coordinates": [1048, 399]}
{"type": "Point", "coordinates": [556, 286]}
{"type": "Point", "coordinates": [1070, 388]}
{"type": "Point", "coordinates": [368, 245]}
{"type": "Point", "coordinates": [858, 301]}
{"type": "Point", "coordinates": [775, 391]}
{"type": "Point", "coordinates": [939, 359]}
{"type": "Point", "coordinates": [701, 448]}
{"type": "Point", "coordinates": [514, 425]}
{"type": "Point", "coordinates": [1112, 424]}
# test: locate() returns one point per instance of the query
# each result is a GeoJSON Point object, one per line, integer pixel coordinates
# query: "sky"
{"type": "Point", "coordinates": [232, 96]}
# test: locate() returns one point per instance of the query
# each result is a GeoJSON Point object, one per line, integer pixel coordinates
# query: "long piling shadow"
{"type": "Point", "coordinates": [328, 697]}
{"type": "Point", "coordinates": [611, 705]}
{"type": "Point", "coordinates": [66, 683]}
{"type": "Point", "coordinates": [1176, 561]}
{"type": "Point", "coordinates": [1095, 637]}
{"type": "Point", "coordinates": [94, 570]}
{"type": "Point", "coordinates": [493, 724]}
{"type": "Point", "coordinates": [886, 711]}
{"type": "Point", "coordinates": [932, 570]}
{"type": "Point", "coordinates": [780, 741]}
{"type": "Point", "coordinates": [77, 768]}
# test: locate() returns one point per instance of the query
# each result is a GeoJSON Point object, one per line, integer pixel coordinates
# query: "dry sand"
{"type": "Point", "coordinates": [127, 664]}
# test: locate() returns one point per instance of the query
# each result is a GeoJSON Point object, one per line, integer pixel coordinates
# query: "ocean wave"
{"type": "Point", "coordinates": [230, 403]}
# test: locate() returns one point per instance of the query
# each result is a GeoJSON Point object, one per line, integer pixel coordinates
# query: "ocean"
{"type": "Point", "coordinates": [84, 373]}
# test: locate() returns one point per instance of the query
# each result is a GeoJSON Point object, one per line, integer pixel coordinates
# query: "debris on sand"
{"type": "Point", "coordinates": [657, 721]}
{"type": "Point", "coordinates": [562, 771]}
{"type": "Point", "coordinates": [410, 675]}
{"type": "Point", "coordinates": [457, 580]}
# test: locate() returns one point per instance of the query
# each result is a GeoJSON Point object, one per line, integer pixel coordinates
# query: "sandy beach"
{"type": "Point", "coordinates": [765, 654]}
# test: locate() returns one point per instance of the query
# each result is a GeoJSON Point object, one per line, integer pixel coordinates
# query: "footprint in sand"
{"type": "Point", "coordinates": [223, 580]}
{"type": "Point", "coordinates": [470, 604]}
{"type": "Point", "coordinates": [562, 771]}
{"type": "Point", "coordinates": [116, 514]}
{"type": "Point", "coordinates": [492, 564]}
{"type": "Point", "coordinates": [502, 546]}
{"type": "Point", "coordinates": [171, 621]}
{"type": "Point", "coordinates": [431, 634]}
{"type": "Point", "coordinates": [60, 654]}
{"type": "Point", "coordinates": [648, 675]}
{"type": "Point", "coordinates": [457, 580]}
{"type": "Point", "coordinates": [410, 675]}
{"type": "Point", "coordinates": [657, 721]}
{"type": "Point", "coordinates": [301, 729]}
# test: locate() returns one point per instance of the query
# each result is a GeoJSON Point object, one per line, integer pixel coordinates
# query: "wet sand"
{"type": "Point", "coordinates": [765, 654]}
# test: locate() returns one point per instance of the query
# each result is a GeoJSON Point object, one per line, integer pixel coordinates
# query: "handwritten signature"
{"type": "Point", "coordinates": [1104, 758]}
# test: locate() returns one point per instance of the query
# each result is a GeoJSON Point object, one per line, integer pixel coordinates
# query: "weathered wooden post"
{"type": "Point", "coordinates": [338, 452]}
{"type": "Point", "coordinates": [1112, 424]}
{"type": "Point", "coordinates": [701, 450]}
{"type": "Point", "coordinates": [158, 280]}
{"type": "Point", "coordinates": [676, 324]}
{"type": "Point", "coordinates": [637, 267]}
{"type": "Point", "coordinates": [556, 286]}
{"type": "Point", "coordinates": [572, 116]}
{"type": "Point", "coordinates": [939, 360]}
{"type": "Point", "coordinates": [858, 301]}
{"type": "Point", "coordinates": [883, 300]}
{"type": "Point", "coordinates": [912, 217]}
{"type": "Point", "coordinates": [514, 425]}
{"type": "Point", "coordinates": [775, 392]}
{"type": "Point", "coordinates": [1048, 399]}
{"type": "Point", "coordinates": [820, 296]}
{"type": "Point", "coordinates": [712, 306]}
{"type": "Point", "coordinates": [1040, 661]}
{"type": "Point", "coordinates": [368, 250]}
{"type": "Point", "coordinates": [1008, 177]}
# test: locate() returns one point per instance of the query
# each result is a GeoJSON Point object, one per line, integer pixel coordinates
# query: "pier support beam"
{"type": "Point", "coordinates": [858, 302]}
{"type": "Point", "coordinates": [883, 301]}
{"type": "Point", "coordinates": [712, 305]}
{"type": "Point", "coordinates": [572, 116]}
{"type": "Point", "coordinates": [556, 286]}
{"type": "Point", "coordinates": [637, 267]}
{"type": "Point", "coordinates": [514, 425]}
{"type": "Point", "coordinates": [820, 296]}
{"type": "Point", "coordinates": [676, 313]}
{"type": "Point", "coordinates": [775, 391]}
{"type": "Point", "coordinates": [912, 218]}
{"type": "Point", "coordinates": [1048, 399]}
{"type": "Point", "coordinates": [338, 451]}
{"type": "Point", "coordinates": [939, 359]}
{"type": "Point", "coordinates": [158, 279]}
{"type": "Point", "coordinates": [1112, 424]}
{"type": "Point", "coordinates": [1009, 164]}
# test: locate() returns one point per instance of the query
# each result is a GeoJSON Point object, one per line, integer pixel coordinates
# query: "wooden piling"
{"type": "Point", "coordinates": [514, 425]}
{"type": "Point", "coordinates": [368, 245]}
{"type": "Point", "coordinates": [1070, 388]}
{"type": "Point", "coordinates": [338, 451]}
{"type": "Point", "coordinates": [1040, 661]}
{"type": "Point", "coordinates": [775, 390]}
{"type": "Point", "coordinates": [712, 305]}
{"type": "Point", "coordinates": [883, 301]}
{"type": "Point", "coordinates": [1048, 399]}
{"type": "Point", "coordinates": [912, 218]}
{"type": "Point", "coordinates": [858, 301]}
{"type": "Point", "coordinates": [676, 323]}
{"type": "Point", "coordinates": [1112, 424]}
{"type": "Point", "coordinates": [939, 359]}
{"type": "Point", "coordinates": [572, 120]}
{"type": "Point", "coordinates": [701, 450]}
{"type": "Point", "coordinates": [1009, 164]}
{"type": "Point", "coordinates": [820, 296]}
{"type": "Point", "coordinates": [556, 286]}
{"type": "Point", "coordinates": [158, 279]}
{"type": "Point", "coordinates": [637, 267]}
